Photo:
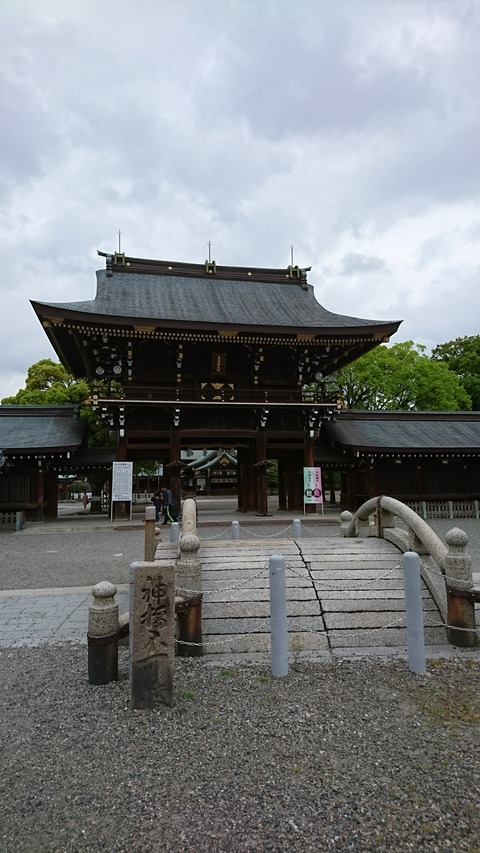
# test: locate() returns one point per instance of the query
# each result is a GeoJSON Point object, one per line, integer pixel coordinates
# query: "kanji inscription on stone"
{"type": "Point", "coordinates": [152, 616]}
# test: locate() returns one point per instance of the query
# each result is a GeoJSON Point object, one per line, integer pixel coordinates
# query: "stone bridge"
{"type": "Point", "coordinates": [342, 593]}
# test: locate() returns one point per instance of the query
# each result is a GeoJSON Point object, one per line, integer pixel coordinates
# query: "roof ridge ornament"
{"type": "Point", "coordinates": [210, 266]}
{"type": "Point", "coordinates": [299, 272]}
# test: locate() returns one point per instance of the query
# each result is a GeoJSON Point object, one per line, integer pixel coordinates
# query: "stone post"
{"type": "Point", "coordinates": [384, 519]}
{"type": "Point", "coordinates": [189, 571]}
{"type": "Point", "coordinates": [174, 532]}
{"type": "Point", "coordinates": [188, 582]}
{"type": "Point", "coordinates": [102, 635]}
{"type": "Point", "coordinates": [457, 568]}
{"type": "Point", "coordinates": [278, 615]}
{"type": "Point", "coordinates": [152, 634]}
{"type": "Point", "coordinates": [296, 528]}
{"type": "Point", "coordinates": [414, 612]}
{"type": "Point", "coordinates": [345, 519]}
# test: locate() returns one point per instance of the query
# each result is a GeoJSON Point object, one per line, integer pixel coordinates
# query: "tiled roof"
{"type": "Point", "coordinates": [405, 431]}
{"type": "Point", "coordinates": [210, 300]}
{"type": "Point", "coordinates": [39, 429]}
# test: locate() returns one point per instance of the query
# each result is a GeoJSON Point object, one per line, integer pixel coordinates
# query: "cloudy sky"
{"type": "Point", "coordinates": [348, 128]}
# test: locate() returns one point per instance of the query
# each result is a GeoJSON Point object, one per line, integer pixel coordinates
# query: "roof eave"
{"type": "Point", "coordinates": [45, 312]}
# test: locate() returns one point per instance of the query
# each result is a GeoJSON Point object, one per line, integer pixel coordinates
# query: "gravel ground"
{"type": "Point", "coordinates": [346, 756]}
{"type": "Point", "coordinates": [340, 755]}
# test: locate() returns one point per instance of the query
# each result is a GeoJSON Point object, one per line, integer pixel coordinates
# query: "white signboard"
{"type": "Point", "coordinates": [122, 480]}
{"type": "Point", "coordinates": [312, 486]}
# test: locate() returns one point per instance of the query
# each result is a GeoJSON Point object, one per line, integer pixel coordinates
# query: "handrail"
{"type": "Point", "coordinates": [424, 533]}
{"type": "Point", "coordinates": [452, 585]}
{"type": "Point", "coordinates": [189, 392]}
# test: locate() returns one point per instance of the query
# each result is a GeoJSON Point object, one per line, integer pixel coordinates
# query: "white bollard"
{"type": "Point", "coordinates": [235, 531]}
{"type": "Point", "coordinates": [414, 612]}
{"type": "Point", "coordinates": [297, 528]}
{"type": "Point", "coordinates": [174, 531]}
{"type": "Point", "coordinates": [278, 616]}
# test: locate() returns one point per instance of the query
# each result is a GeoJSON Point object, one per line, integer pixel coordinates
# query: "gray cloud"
{"type": "Point", "coordinates": [348, 129]}
{"type": "Point", "coordinates": [353, 263]}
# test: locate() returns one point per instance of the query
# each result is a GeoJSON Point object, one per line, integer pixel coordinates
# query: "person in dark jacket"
{"type": "Point", "coordinates": [169, 509]}
{"type": "Point", "coordinates": [157, 501]}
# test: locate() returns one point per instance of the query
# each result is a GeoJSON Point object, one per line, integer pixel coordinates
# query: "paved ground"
{"type": "Point", "coordinates": [47, 571]}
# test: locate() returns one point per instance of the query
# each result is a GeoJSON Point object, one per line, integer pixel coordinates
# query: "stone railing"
{"type": "Point", "coordinates": [450, 581]}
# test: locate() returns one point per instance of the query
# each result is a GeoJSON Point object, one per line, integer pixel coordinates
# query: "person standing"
{"type": "Point", "coordinates": [169, 511]}
{"type": "Point", "coordinates": [157, 501]}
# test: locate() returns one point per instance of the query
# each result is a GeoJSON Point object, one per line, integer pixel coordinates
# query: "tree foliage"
{"type": "Point", "coordinates": [49, 384]}
{"type": "Point", "coordinates": [462, 357]}
{"type": "Point", "coordinates": [401, 377]}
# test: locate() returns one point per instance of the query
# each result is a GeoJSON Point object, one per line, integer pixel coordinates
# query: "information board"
{"type": "Point", "coordinates": [122, 481]}
{"type": "Point", "coordinates": [312, 486]}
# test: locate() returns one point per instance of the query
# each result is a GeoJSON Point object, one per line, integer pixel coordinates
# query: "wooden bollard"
{"type": "Point", "coordinates": [189, 623]}
{"type": "Point", "coordinates": [102, 635]}
{"type": "Point", "coordinates": [150, 544]}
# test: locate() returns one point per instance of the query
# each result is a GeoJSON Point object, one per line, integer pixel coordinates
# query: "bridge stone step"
{"type": "Point", "coordinates": [341, 593]}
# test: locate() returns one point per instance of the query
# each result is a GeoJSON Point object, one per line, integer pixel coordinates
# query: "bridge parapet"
{"type": "Point", "coordinates": [451, 584]}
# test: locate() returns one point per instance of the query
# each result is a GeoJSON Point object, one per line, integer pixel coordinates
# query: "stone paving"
{"type": "Point", "coordinates": [341, 593]}
{"type": "Point", "coordinates": [58, 614]}
{"type": "Point", "coordinates": [33, 617]}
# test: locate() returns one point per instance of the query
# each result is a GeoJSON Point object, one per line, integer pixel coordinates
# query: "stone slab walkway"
{"type": "Point", "coordinates": [341, 593]}
{"type": "Point", "coordinates": [343, 596]}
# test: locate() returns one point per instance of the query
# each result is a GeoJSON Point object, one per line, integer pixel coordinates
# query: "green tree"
{"type": "Point", "coordinates": [462, 357]}
{"type": "Point", "coordinates": [401, 377]}
{"type": "Point", "coordinates": [49, 384]}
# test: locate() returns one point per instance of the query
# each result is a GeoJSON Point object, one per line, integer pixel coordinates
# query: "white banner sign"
{"type": "Point", "coordinates": [312, 486]}
{"type": "Point", "coordinates": [122, 480]}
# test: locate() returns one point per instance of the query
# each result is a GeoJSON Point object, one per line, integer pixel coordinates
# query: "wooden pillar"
{"type": "Point", "coordinates": [261, 469]}
{"type": "Point", "coordinates": [240, 464]}
{"type": "Point", "coordinates": [292, 472]}
{"type": "Point", "coordinates": [51, 496]}
{"type": "Point", "coordinates": [240, 480]}
{"type": "Point", "coordinates": [372, 481]}
{"type": "Point", "coordinates": [296, 502]}
{"type": "Point", "coordinates": [247, 480]}
{"type": "Point", "coordinates": [417, 482]}
{"type": "Point", "coordinates": [40, 493]}
{"type": "Point", "coordinates": [345, 489]}
{"type": "Point", "coordinates": [175, 468]}
{"type": "Point", "coordinates": [282, 484]}
{"type": "Point", "coordinates": [330, 475]}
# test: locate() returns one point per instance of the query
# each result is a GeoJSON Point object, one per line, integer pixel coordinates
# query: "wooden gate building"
{"type": "Point", "coordinates": [202, 356]}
